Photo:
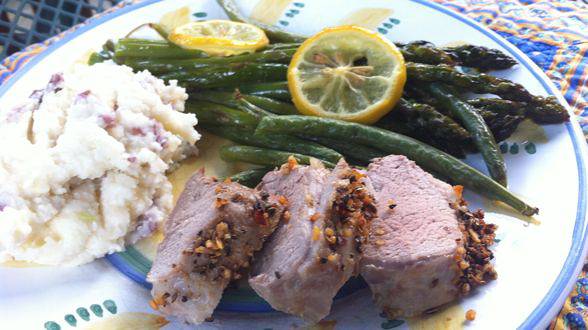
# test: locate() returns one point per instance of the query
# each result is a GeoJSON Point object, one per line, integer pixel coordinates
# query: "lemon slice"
{"type": "Point", "coordinates": [348, 73]}
{"type": "Point", "coordinates": [171, 20]}
{"type": "Point", "coordinates": [219, 37]}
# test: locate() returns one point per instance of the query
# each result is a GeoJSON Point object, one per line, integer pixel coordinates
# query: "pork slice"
{"type": "Point", "coordinates": [311, 256]}
{"type": "Point", "coordinates": [210, 235]}
{"type": "Point", "coordinates": [416, 258]}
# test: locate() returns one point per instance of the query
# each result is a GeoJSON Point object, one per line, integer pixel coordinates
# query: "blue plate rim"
{"type": "Point", "coordinates": [574, 260]}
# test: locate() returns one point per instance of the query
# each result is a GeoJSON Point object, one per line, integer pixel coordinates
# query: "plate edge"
{"type": "Point", "coordinates": [560, 288]}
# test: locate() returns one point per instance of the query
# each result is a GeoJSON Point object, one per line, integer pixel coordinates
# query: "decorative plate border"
{"type": "Point", "coordinates": [574, 261]}
{"type": "Point", "coordinates": [135, 266]}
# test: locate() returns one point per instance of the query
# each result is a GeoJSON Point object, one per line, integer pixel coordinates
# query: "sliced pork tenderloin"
{"type": "Point", "coordinates": [311, 256]}
{"type": "Point", "coordinates": [210, 235]}
{"type": "Point", "coordinates": [425, 249]}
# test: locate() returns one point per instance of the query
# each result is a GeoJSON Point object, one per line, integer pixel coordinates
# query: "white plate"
{"type": "Point", "coordinates": [537, 264]}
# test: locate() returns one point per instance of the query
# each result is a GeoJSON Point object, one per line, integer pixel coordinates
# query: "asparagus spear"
{"type": "Point", "coordinates": [541, 109]}
{"type": "Point", "coordinates": [478, 83]}
{"type": "Point", "coordinates": [480, 57]}
{"type": "Point", "coordinates": [226, 76]}
{"type": "Point", "coordinates": [424, 123]}
{"type": "Point", "coordinates": [166, 65]}
{"type": "Point", "coordinates": [502, 126]}
{"type": "Point", "coordinates": [499, 106]}
{"type": "Point", "coordinates": [147, 48]}
{"type": "Point", "coordinates": [424, 52]}
{"type": "Point", "coordinates": [547, 110]}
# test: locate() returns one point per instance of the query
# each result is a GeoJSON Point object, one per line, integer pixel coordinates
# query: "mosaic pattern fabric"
{"type": "Point", "coordinates": [554, 34]}
{"type": "Point", "coordinates": [12, 63]}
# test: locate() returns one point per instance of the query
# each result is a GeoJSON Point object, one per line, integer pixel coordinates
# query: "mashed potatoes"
{"type": "Point", "coordinates": [83, 163]}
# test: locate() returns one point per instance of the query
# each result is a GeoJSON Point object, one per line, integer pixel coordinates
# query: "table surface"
{"type": "Point", "coordinates": [24, 22]}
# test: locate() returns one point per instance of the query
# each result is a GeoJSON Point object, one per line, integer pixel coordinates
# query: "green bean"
{"type": "Point", "coordinates": [225, 98]}
{"type": "Point", "coordinates": [252, 109]}
{"type": "Point", "coordinates": [218, 115]}
{"type": "Point", "coordinates": [274, 106]}
{"type": "Point", "coordinates": [249, 107]}
{"type": "Point", "coordinates": [223, 76]}
{"type": "Point", "coordinates": [228, 99]}
{"type": "Point", "coordinates": [250, 178]}
{"type": "Point", "coordinates": [239, 127]}
{"type": "Point", "coordinates": [358, 153]}
{"type": "Point", "coordinates": [263, 156]}
{"type": "Point", "coordinates": [392, 143]}
{"type": "Point", "coordinates": [276, 141]}
{"type": "Point", "coordinates": [273, 33]}
{"type": "Point", "coordinates": [496, 112]}
{"type": "Point", "coordinates": [274, 90]}
{"type": "Point", "coordinates": [145, 48]}
{"type": "Point", "coordinates": [474, 123]}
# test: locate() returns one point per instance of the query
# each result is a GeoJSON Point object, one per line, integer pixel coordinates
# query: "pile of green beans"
{"type": "Point", "coordinates": [267, 138]}
{"type": "Point", "coordinates": [392, 143]}
{"type": "Point", "coordinates": [245, 99]}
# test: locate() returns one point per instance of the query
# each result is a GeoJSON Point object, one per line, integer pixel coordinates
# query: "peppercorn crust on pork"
{"type": "Point", "coordinates": [311, 256]}
{"type": "Point", "coordinates": [425, 249]}
{"type": "Point", "coordinates": [210, 235]}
